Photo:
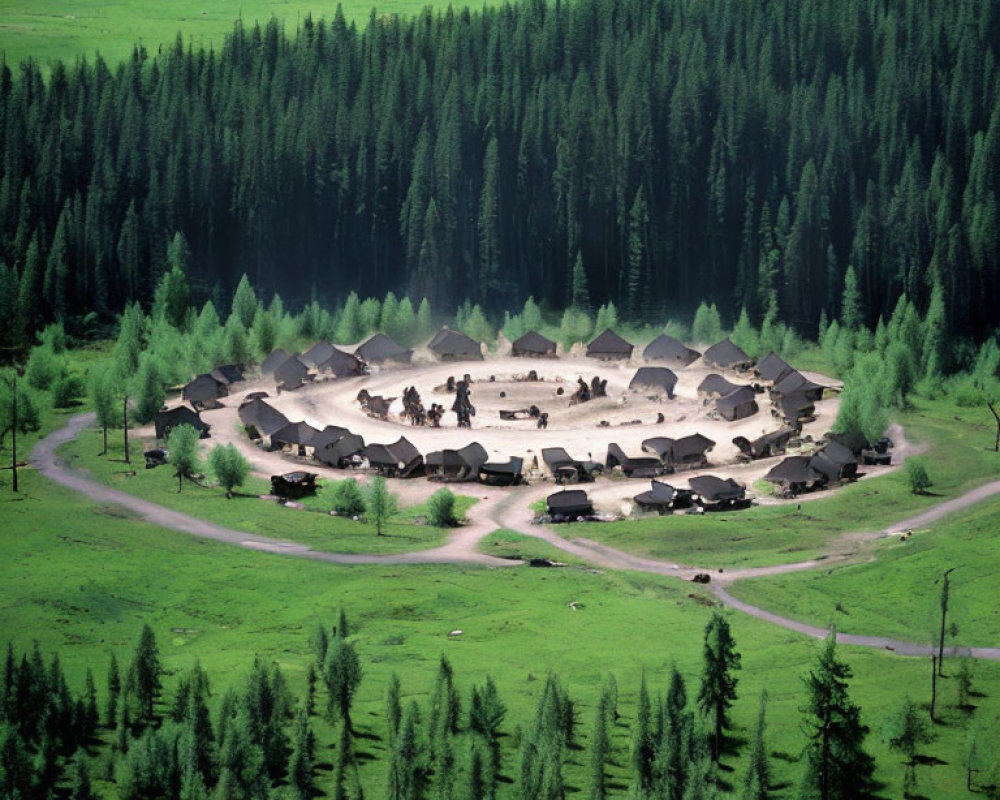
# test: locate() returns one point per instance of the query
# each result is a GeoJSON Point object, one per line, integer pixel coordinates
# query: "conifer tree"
{"type": "Point", "coordinates": [837, 767]}
{"type": "Point", "coordinates": [244, 302]}
{"type": "Point", "coordinates": [114, 690]}
{"type": "Point", "coordinates": [757, 779]}
{"type": "Point", "coordinates": [142, 680]}
{"type": "Point", "coordinates": [182, 449]}
{"type": "Point", "coordinates": [718, 685]}
{"type": "Point", "coordinates": [579, 294]}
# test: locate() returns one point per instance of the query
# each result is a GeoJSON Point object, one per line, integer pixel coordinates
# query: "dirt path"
{"type": "Point", "coordinates": [504, 509]}
{"type": "Point", "coordinates": [460, 548]}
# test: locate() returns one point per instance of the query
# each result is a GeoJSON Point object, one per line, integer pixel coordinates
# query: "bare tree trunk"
{"type": "Point", "coordinates": [934, 675]}
{"type": "Point", "coordinates": [945, 588]}
{"type": "Point", "coordinates": [13, 441]}
{"type": "Point", "coordinates": [128, 459]}
{"type": "Point", "coordinates": [996, 447]}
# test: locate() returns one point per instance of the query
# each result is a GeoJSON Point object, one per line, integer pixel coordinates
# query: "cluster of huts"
{"type": "Point", "coordinates": [338, 447]}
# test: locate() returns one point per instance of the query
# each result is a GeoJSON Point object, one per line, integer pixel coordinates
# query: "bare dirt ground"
{"type": "Point", "coordinates": [576, 428]}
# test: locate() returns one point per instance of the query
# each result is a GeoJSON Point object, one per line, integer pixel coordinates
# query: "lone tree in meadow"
{"type": "Point", "coordinates": [381, 503]}
{"type": "Point", "coordinates": [18, 414]}
{"type": "Point", "coordinates": [182, 452]}
{"type": "Point", "coordinates": [441, 509]}
{"type": "Point", "coordinates": [837, 767]}
{"type": "Point", "coordinates": [718, 685]}
{"type": "Point", "coordinates": [229, 465]}
{"type": "Point", "coordinates": [917, 475]}
{"type": "Point", "coordinates": [904, 733]}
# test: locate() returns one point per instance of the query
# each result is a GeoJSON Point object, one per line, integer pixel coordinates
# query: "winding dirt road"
{"type": "Point", "coordinates": [506, 509]}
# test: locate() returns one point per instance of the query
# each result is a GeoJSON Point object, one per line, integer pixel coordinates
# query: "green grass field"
{"type": "Point", "coordinates": [962, 457]}
{"type": "Point", "coordinates": [82, 579]}
{"type": "Point", "coordinates": [313, 527]}
{"type": "Point", "coordinates": [68, 29]}
{"type": "Point", "coordinates": [898, 593]}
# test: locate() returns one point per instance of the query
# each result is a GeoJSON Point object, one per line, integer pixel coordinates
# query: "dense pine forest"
{"type": "Point", "coordinates": [652, 154]}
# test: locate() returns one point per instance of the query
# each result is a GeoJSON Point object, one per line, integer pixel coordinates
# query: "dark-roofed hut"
{"type": "Point", "coordinates": [380, 348]}
{"type": "Point", "coordinates": [291, 374]}
{"type": "Point", "coordinates": [737, 405]}
{"type": "Point", "coordinates": [299, 436]}
{"type": "Point", "coordinates": [719, 492]}
{"type": "Point", "coordinates": [658, 380]}
{"type": "Point", "coordinates": [342, 452]}
{"type": "Point", "coordinates": [261, 419]}
{"type": "Point", "coordinates": [714, 385]}
{"type": "Point", "coordinates": [565, 468]}
{"type": "Point", "coordinates": [228, 374]}
{"type": "Point", "coordinates": [687, 452]}
{"type": "Point", "coordinates": [397, 460]}
{"type": "Point", "coordinates": [459, 465]}
{"type": "Point", "coordinates": [836, 461]}
{"type": "Point", "coordinates": [770, 444]}
{"type": "Point", "coordinates": [204, 392]}
{"type": "Point", "coordinates": [772, 368]}
{"type": "Point", "coordinates": [273, 361]}
{"type": "Point", "coordinates": [794, 409]}
{"type": "Point", "coordinates": [166, 421]}
{"type": "Point", "coordinates": [608, 346]}
{"type": "Point", "coordinates": [329, 435]}
{"type": "Point", "coordinates": [795, 382]}
{"type": "Point", "coordinates": [533, 345]}
{"type": "Point", "coordinates": [727, 355]}
{"type": "Point", "coordinates": [293, 485]}
{"type": "Point", "coordinates": [449, 345]}
{"type": "Point", "coordinates": [568, 504]}
{"type": "Point", "coordinates": [663, 498]}
{"type": "Point", "coordinates": [632, 467]}
{"type": "Point", "coordinates": [342, 365]}
{"type": "Point", "coordinates": [501, 473]}
{"type": "Point", "coordinates": [796, 474]}
{"type": "Point", "coordinates": [667, 348]}
{"type": "Point", "coordinates": [317, 354]}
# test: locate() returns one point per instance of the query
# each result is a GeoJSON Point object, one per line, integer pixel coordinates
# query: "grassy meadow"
{"type": "Point", "coordinates": [961, 457]}
{"type": "Point", "coordinates": [246, 512]}
{"type": "Point", "coordinates": [68, 29]}
{"type": "Point", "coordinates": [82, 579]}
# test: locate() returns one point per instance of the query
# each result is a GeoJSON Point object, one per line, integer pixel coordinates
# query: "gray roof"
{"type": "Point", "coordinates": [291, 373]}
{"type": "Point", "coordinates": [317, 354]}
{"type": "Point", "coordinates": [569, 501]}
{"type": "Point", "coordinates": [295, 433]}
{"type": "Point", "coordinates": [667, 348]}
{"type": "Point", "coordinates": [656, 378]}
{"type": "Point", "coordinates": [610, 343]}
{"type": "Point", "coordinates": [203, 388]}
{"type": "Point", "coordinates": [772, 368]}
{"type": "Point", "coordinates": [273, 361]}
{"type": "Point", "coordinates": [738, 405]}
{"type": "Point", "coordinates": [726, 354]}
{"type": "Point", "coordinates": [265, 418]}
{"type": "Point", "coordinates": [797, 382]}
{"type": "Point", "coordinates": [715, 384]}
{"type": "Point", "coordinates": [381, 348]}
{"type": "Point", "coordinates": [660, 494]}
{"type": "Point", "coordinates": [533, 343]}
{"type": "Point", "coordinates": [452, 344]}
{"type": "Point", "coordinates": [341, 364]}
{"type": "Point", "coordinates": [795, 469]}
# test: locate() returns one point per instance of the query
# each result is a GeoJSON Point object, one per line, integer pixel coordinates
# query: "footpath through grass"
{"type": "Point", "coordinates": [960, 457]}
{"type": "Point", "coordinates": [898, 593]}
{"type": "Point", "coordinates": [68, 29]}
{"type": "Point", "coordinates": [246, 512]}
{"type": "Point", "coordinates": [82, 579]}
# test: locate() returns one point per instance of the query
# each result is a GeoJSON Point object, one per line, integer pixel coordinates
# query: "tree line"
{"type": "Point", "coordinates": [649, 154]}
{"type": "Point", "coordinates": [260, 742]}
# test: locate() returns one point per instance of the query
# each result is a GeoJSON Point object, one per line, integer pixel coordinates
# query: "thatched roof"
{"type": "Point", "coordinates": [667, 348]}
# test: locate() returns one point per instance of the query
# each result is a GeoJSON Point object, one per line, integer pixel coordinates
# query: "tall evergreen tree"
{"type": "Point", "coordinates": [837, 767]}
{"type": "Point", "coordinates": [718, 684]}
